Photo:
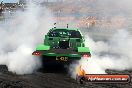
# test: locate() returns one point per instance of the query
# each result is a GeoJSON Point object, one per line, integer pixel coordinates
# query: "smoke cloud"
{"type": "Point", "coordinates": [115, 53]}
{"type": "Point", "coordinates": [19, 36]}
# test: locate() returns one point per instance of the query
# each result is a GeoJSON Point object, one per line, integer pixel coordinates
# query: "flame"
{"type": "Point", "coordinates": [80, 71]}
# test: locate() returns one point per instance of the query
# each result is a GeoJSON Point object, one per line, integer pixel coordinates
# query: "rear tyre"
{"type": "Point", "coordinates": [49, 64]}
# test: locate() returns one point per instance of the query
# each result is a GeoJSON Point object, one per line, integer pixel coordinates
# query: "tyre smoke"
{"type": "Point", "coordinates": [19, 35]}
{"type": "Point", "coordinates": [115, 53]}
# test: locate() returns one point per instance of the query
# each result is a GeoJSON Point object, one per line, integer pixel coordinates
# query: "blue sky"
{"type": "Point", "coordinates": [9, 1]}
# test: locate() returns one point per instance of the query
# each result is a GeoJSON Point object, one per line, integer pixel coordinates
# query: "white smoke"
{"type": "Point", "coordinates": [20, 35]}
{"type": "Point", "coordinates": [114, 54]}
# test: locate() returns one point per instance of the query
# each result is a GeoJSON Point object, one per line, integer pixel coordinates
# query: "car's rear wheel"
{"type": "Point", "coordinates": [52, 63]}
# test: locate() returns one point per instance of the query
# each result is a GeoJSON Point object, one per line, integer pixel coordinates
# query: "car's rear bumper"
{"type": "Point", "coordinates": [61, 52]}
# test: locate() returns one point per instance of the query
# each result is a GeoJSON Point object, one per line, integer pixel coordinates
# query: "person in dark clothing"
{"type": "Point", "coordinates": [1, 7]}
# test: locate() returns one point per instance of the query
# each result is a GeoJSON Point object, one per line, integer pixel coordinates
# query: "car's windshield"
{"type": "Point", "coordinates": [63, 32]}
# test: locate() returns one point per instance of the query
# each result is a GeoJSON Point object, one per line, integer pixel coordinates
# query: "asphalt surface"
{"type": "Point", "coordinates": [51, 79]}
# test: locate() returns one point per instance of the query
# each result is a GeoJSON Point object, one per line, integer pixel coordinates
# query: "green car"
{"type": "Point", "coordinates": [63, 45]}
